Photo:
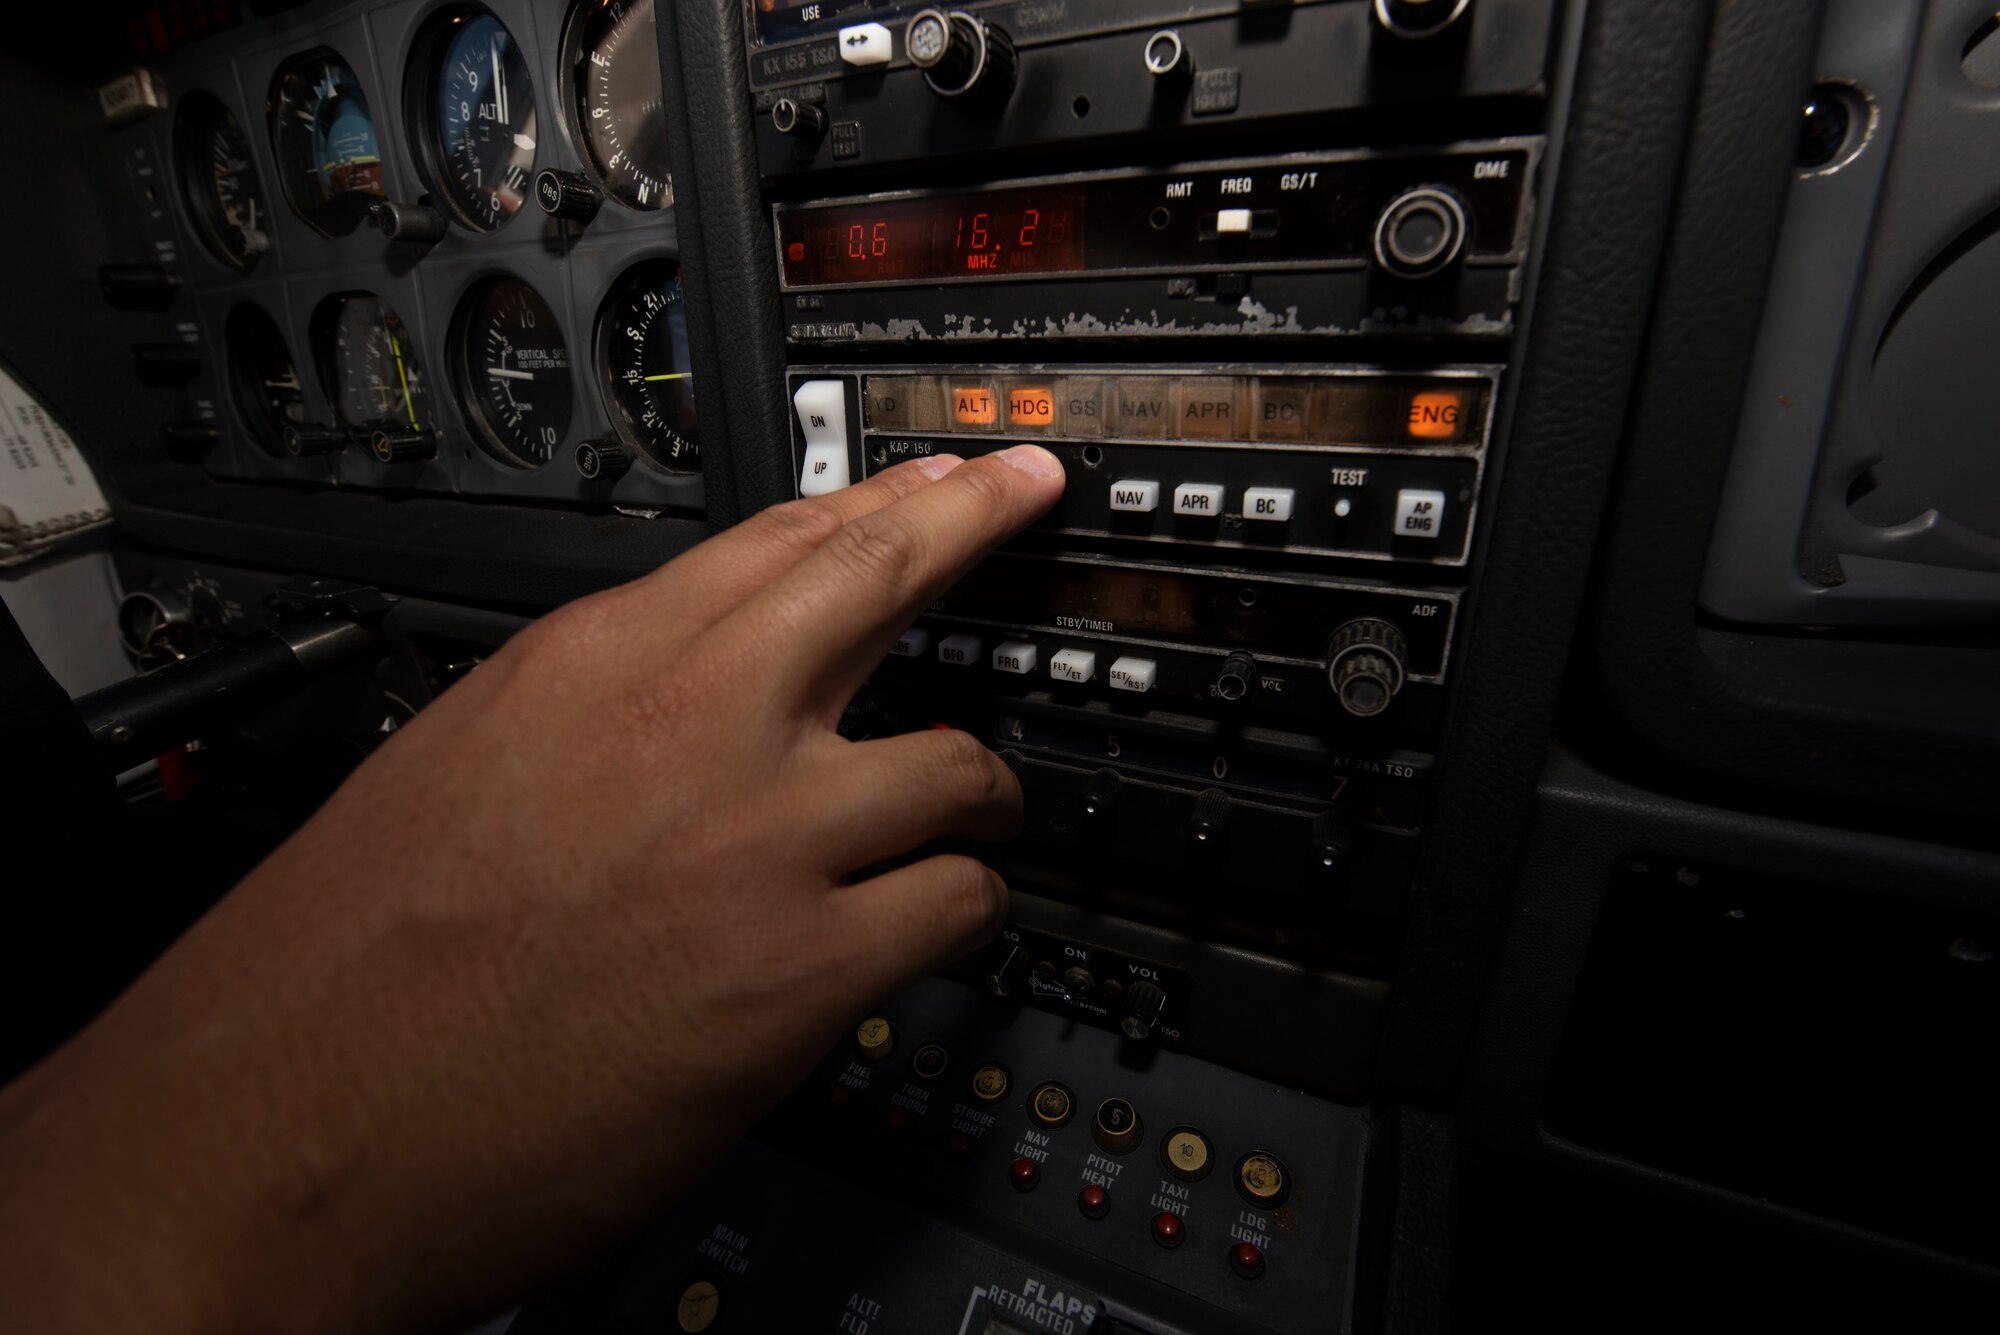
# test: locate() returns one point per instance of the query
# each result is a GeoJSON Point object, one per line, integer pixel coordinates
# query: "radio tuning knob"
{"type": "Point", "coordinates": [1365, 665]}
{"type": "Point", "coordinates": [402, 447]}
{"type": "Point", "coordinates": [800, 120]}
{"type": "Point", "coordinates": [961, 55]}
{"type": "Point", "coordinates": [1419, 18]}
{"type": "Point", "coordinates": [567, 195]}
{"type": "Point", "coordinates": [1421, 232]}
{"type": "Point", "coordinates": [304, 440]}
{"type": "Point", "coordinates": [1144, 1003]}
{"type": "Point", "coordinates": [602, 459]}
{"type": "Point", "coordinates": [1167, 57]}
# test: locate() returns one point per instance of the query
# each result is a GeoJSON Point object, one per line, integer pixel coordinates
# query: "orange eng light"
{"type": "Point", "coordinates": [1434, 415]}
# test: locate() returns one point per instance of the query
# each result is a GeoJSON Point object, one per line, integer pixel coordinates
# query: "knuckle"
{"type": "Point", "coordinates": [878, 549]}
{"type": "Point", "coordinates": [967, 768]}
{"type": "Point", "coordinates": [797, 525]}
{"type": "Point", "coordinates": [988, 484]}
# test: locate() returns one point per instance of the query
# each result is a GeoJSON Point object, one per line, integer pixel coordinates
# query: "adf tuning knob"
{"type": "Point", "coordinates": [1364, 664]}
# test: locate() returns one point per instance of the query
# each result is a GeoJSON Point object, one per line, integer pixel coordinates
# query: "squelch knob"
{"type": "Point", "coordinates": [1144, 1003]}
{"type": "Point", "coordinates": [303, 440]}
{"type": "Point", "coordinates": [602, 459]}
{"type": "Point", "coordinates": [1365, 665]}
{"type": "Point", "coordinates": [1013, 967]}
{"type": "Point", "coordinates": [801, 120]}
{"type": "Point", "coordinates": [961, 55]}
{"type": "Point", "coordinates": [567, 195]}
{"type": "Point", "coordinates": [401, 447]}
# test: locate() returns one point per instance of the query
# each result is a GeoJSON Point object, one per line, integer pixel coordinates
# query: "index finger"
{"type": "Point", "coordinates": [825, 624]}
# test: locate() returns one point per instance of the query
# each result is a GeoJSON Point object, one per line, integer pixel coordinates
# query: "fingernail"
{"type": "Point", "coordinates": [937, 465]}
{"type": "Point", "coordinates": [1032, 459]}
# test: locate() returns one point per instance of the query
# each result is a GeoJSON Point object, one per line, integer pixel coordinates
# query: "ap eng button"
{"type": "Point", "coordinates": [1419, 514]}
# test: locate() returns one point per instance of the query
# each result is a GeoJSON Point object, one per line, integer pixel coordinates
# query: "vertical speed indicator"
{"type": "Point", "coordinates": [612, 89]}
{"type": "Point", "coordinates": [512, 368]}
{"type": "Point", "coordinates": [642, 364]}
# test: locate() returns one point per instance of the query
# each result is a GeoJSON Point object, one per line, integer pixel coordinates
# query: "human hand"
{"type": "Point", "coordinates": [551, 947]}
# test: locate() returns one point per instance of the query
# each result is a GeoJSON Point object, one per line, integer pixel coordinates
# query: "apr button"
{"type": "Point", "coordinates": [1198, 498]}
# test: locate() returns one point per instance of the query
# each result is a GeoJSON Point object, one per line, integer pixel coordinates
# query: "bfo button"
{"type": "Point", "coordinates": [959, 650]}
{"type": "Point", "coordinates": [1198, 498]}
{"type": "Point", "coordinates": [1135, 496]}
{"type": "Point", "coordinates": [1273, 504]}
{"type": "Point", "coordinates": [1017, 656]}
{"type": "Point", "coordinates": [1419, 514]}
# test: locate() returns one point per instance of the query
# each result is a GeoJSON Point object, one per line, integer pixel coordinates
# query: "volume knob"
{"type": "Point", "coordinates": [961, 55]}
{"type": "Point", "coordinates": [1365, 665]}
{"type": "Point", "coordinates": [1144, 1003]}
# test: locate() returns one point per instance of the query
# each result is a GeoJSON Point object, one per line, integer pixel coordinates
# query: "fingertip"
{"type": "Point", "coordinates": [937, 465]}
{"type": "Point", "coordinates": [1032, 460]}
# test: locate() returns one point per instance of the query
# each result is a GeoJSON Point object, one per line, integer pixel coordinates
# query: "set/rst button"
{"type": "Point", "coordinates": [1133, 674]}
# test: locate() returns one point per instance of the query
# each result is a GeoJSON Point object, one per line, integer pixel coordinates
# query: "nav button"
{"type": "Point", "coordinates": [1139, 497]}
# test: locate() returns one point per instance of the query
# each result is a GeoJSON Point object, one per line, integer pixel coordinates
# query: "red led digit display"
{"type": "Point", "coordinates": [987, 234]}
